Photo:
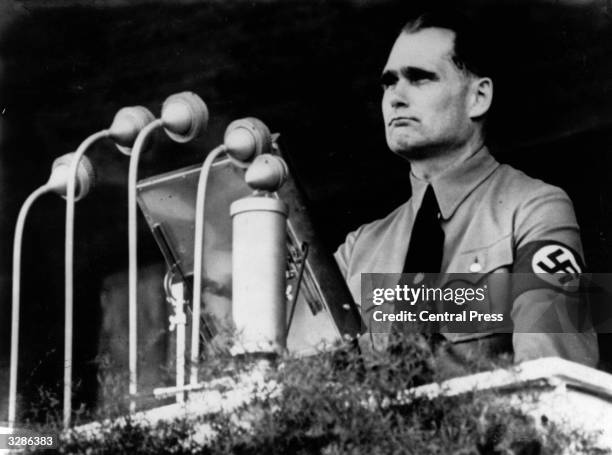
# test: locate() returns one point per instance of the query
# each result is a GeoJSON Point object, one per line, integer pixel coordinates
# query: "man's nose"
{"type": "Point", "coordinates": [397, 96]}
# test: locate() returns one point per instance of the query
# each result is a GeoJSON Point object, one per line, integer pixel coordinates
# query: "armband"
{"type": "Point", "coordinates": [547, 265]}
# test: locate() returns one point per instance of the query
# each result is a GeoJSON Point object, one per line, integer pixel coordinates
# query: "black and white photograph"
{"type": "Point", "coordinates": [306, 227]}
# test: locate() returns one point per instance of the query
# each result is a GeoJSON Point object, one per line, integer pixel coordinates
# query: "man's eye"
{"type": "Point", "coordinates": [419, 77]}
{"type": "Point", "coordinates": [419, 81]}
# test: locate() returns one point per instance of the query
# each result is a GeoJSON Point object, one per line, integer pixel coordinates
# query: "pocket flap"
{"type": "Point", "coordinates": [476, 263]}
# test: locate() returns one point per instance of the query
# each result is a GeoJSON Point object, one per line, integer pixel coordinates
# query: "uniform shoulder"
{"type": "Point", "coordinates": [381, 224]}
{"type": "Point", "coordinates": [364, 235]}
{"type": "Point", "coordinates": [540, 211]}
{"type": "Point", "coordinates": [522, 187]}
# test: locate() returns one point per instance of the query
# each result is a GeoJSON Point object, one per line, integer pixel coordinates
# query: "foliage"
{"type": "Point", "coordinates": [337, 403]}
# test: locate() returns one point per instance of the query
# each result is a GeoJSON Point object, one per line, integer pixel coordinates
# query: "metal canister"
{"type": "Point", "coordinates": [259, 256]}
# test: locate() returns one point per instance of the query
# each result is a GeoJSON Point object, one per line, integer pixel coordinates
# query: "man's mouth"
{"type": "Point", "coordinates": [402, 121]}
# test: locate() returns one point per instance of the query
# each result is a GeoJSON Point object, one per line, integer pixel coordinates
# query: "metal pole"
{"type": "Point", "coordinates": [132, 253]}
{"type": "Point", "coordinates": [69, 270]}
{"type": "Point", "coordinates": [17, 241]}
{"type": "Point", "coordinates": [197, 261]}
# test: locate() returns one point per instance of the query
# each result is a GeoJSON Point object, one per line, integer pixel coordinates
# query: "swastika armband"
{"type": "Point", "coordinates": [548, 265]}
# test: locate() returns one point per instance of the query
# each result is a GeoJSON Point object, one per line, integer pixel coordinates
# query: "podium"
{"type": "Point", "coordinates": [324, 312]}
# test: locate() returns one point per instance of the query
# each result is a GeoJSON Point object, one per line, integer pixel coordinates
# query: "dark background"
{"type": "Point", "coordinates": [310, 70]}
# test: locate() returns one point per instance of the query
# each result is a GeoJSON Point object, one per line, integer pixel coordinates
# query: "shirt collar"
{"type": "Point", "coordinates": [454, 185]}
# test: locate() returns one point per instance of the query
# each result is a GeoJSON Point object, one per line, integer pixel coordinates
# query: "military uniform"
{"type": "Point", "coordinates": [495, 220]}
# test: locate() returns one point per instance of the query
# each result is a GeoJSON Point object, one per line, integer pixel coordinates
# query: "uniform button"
{"type": "Point", "coordinates": [418, 278]}
{"type": "Point", "coordinates": [475, 267]}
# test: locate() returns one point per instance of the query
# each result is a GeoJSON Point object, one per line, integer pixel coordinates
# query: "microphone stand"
{"type": "Point", "coordinates": [69, 270]}
{"type": "Point", "coordinates": [197, 261]}
{"type": "Point", "coordinates": [133, 260]}
{"type": "Point", "coordinates": [12, 410]}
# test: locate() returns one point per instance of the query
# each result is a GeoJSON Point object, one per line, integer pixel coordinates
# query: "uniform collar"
{"type": "Point", "coordinates": [454, 185]}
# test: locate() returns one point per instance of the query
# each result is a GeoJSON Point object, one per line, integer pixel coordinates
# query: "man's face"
{"type": "Point", "coordinates": [425, 100]}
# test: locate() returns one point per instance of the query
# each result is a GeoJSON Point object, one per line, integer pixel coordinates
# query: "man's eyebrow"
{"type": "Point", "coordinates": [415, 73]}
{"type": "Point", "coordinates": [412, 73]}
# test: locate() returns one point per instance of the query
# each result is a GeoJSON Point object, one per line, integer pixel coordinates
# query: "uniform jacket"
{"type": "Point", "coordinates": [495, 219]}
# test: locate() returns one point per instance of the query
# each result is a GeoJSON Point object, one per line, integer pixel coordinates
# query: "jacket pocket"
{"type": "Point", "coordinates": [486, 270]}
{"type": "Point", "coordinates": [475, 263]}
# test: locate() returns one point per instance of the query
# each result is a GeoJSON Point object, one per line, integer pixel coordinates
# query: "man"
{"type": "Point", "coordinates": [470, 213]}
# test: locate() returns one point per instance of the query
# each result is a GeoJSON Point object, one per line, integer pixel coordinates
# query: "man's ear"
{"type": "Point", "coordinates": [482, 96]}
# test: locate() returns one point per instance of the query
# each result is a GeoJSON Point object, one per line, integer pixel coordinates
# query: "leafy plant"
{"type": "Point", "coordinates": [337, 403]}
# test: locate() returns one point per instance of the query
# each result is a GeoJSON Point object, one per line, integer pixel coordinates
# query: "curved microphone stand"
{"type": "Point", "coordinates": [197, 261]}
{"type": "Point", "coordinates": [132, 252]}
{"type": "Point", "coordinates": [12, 410]}
{"type": "Point", "coordinates": [184, 117]}
{"type": "Point", "coordinates": [57, 183]}
{"type": "Point", "coordinates": [69, 269]}
{"type": "Point", "coordinates": [128, 122]}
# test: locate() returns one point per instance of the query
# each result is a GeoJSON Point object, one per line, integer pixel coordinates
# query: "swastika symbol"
{"type": "Point", "coordinates": [558, 260]}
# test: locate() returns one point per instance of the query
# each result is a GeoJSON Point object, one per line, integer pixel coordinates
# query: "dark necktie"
{"type": "Point", "coordinates": [424, 258]}
{"type": "Point", "coordinates": [427, 239]}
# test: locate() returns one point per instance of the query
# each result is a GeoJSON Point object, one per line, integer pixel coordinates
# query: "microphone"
{"type": "Point", "coordinates": [245, 139]}
{"type": "Point", "coordinates": [267, 173]}
{"type": "Point", "coordinates": [184, 117]}
{"type": "Point", "coordinates": [128, 122]}
{"type": "Point", "coordinates": [60, 172]}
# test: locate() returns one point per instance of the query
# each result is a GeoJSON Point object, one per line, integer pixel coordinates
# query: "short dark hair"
{"type": "Point", "coordinates": [468, 52]}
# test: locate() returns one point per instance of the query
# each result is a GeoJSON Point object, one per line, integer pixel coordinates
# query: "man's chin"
{"type": "Point", "coordinates": [409, 151]}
